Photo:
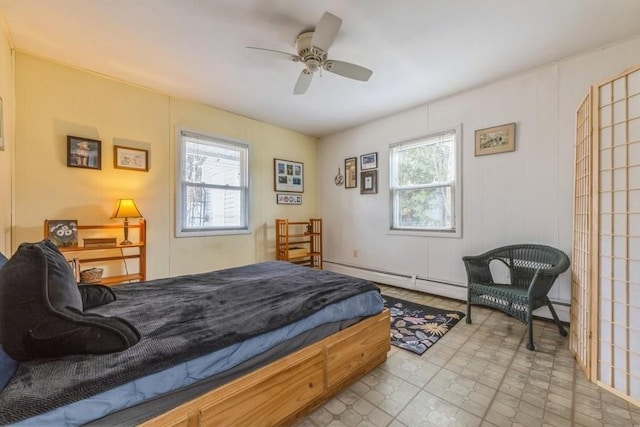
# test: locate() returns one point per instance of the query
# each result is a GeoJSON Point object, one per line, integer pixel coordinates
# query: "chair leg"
{"type": "Point", "coordinates": [530, 345]}
{"type": "Point", "coordinates": [561, 329]}
{"type": "Point", "coordinates": [468, 319]}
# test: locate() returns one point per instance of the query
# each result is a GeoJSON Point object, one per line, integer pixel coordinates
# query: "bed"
{"type": "Point", "coordinates": [253, 345]}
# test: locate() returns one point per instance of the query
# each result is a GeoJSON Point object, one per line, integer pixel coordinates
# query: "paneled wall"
{"type": "Point", "coordinates": [521, 196]}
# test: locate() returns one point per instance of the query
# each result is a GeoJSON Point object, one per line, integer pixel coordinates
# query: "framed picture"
{"type": "Point", "coordinates": [368, 161]}
{"type": "Point", "coordinates": [369, 182]}
{"type": "Point", "coordinates": [63, 232]}
{"type": "Point", "coordinates": [351, 172]}
{"type": "Point", "coordinates": [83, 153]}
{"type": "Point", "coordinates": [498, 139]}
{"type": "Point", "coordinates": [130, 158]}
{"type": "Point", "coordinates": [289, 199]}
{"type": "Point", "coordinates": [288, 176]}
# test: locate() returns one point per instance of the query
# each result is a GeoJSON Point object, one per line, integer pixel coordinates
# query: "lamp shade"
{"type": "Point", "coordinates": [126, 208]}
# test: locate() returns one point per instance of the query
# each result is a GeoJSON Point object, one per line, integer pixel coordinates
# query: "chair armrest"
{"type": "Point", "coordinates": [544, 278]}
{"type": "Point", "coordinates": [477, 268]}
{"type": "Point", "coordinates": [541, 283]}
{"type": "Point", "coordinates": [555, 271]}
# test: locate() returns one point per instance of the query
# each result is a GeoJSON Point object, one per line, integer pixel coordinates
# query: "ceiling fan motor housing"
{"type": "Point", "coordinates": [312, 57]}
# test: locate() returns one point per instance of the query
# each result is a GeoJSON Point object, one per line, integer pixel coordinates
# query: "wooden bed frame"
{"type": "Point", "coordinates": [293, 386]}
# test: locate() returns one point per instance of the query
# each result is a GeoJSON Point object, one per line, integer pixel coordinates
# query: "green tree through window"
{"type": "Point", "coordinates": [423, 183]}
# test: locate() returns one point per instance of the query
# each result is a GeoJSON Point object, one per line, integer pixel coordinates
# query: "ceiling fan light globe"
{"type": "Point", "coordinates": [313, 65]}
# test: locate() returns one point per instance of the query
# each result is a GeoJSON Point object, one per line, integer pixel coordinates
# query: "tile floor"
{"type": "Point", "coordinates": [477, 375]}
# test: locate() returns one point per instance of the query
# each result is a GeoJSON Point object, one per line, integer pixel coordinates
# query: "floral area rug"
{"type": "Point", "coordinates": [416, 327]}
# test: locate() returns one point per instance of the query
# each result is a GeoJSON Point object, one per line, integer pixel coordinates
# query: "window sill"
{"type": "Point", "coordinates": [204, 233]}
{"type": "Point", "coordinates": [426, 233]}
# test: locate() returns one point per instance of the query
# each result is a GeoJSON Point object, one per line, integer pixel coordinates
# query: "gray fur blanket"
{"type": "Point", "coordinates": [180, 318]}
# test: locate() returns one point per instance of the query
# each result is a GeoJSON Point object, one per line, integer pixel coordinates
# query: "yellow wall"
{"type": "Point", "coordinates": [8, 102]}
{"type": "Point", "coordinates": [54, 101]}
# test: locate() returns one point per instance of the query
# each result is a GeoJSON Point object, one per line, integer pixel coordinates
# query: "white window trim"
{"type": "Point", "coordinates": [456, 188]}
{"type": "Point", "coordinates": [180, 147]}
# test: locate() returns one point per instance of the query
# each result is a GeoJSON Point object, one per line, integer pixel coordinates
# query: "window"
{"type": "Point", "coordinates": [425, 176]}
{"type": "Point", "coordinates": [213, 186]}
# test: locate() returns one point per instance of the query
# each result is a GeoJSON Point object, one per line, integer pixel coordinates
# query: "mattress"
{"type": "Point", "coordinates": [220, 362]}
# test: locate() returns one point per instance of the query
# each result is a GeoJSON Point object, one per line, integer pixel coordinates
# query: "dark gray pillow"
{"type": "Point", "coordinates": [41, 310]}
{"type": "Point", "coordinates": [95, 295]}
{"type": "Point", "coordinates": [62, 287]}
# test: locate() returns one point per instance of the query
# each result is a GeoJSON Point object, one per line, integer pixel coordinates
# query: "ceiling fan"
{"type": "Point", "coordinates": [312, 48]}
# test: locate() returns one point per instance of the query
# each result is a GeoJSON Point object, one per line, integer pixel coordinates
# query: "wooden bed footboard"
{"type": "Point", "coordinates": [290, 387]}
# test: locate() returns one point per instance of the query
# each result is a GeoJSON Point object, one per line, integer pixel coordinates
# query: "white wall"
{"type": "Point", "coordinates": [518, 197]}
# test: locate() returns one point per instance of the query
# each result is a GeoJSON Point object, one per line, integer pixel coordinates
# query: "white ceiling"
{"type": "Point", "coordinates": [419, 50]}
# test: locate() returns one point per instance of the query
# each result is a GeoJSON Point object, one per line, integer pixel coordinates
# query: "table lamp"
{"type": "Point", "coordinates": [126, 208]}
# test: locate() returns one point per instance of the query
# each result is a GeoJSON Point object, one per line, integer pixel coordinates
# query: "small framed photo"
{"type": "Point", "coordinates": [369, 182]}
{"type": "Point", "coordinates": [498, 139]}
{"type": "Point", "coordinates": [288, 176]}
{"type": "Point", "coordinates": [63, 232]}
{"type": "Point", "coordinates": [351, 172]}
{"type": "Point", "coordinates": [289, 199]}
{"type": "Point", "coordinates": [368, 161]}
{"type": "Point", "coordinates": [130, 158]}
{"type": "Point", "coordinates": [83, 153]}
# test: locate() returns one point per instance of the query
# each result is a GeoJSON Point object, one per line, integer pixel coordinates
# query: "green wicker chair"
{"type": "Point", "coordinates": [533, 270]}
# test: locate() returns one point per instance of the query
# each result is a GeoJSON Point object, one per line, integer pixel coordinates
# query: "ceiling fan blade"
{"type": "Point", "coordinates": [304, 80]}
{"type": "Point", "coordinates": [276, 54]}
{"type": "Point", "coordinates": [326, 31]}
{"type": "Point", "coordinates": [347, 69]}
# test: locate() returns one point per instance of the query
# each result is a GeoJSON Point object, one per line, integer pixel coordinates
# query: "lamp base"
{"type": "Point", "coordinates": [126, 240]}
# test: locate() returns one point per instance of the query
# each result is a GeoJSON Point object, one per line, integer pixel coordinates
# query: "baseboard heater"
{"type": "Point", "coordinates": [444, 289]}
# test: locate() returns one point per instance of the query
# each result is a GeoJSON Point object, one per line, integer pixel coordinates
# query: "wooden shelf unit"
{"type": "Point", "coordinates": [109, 254]}
{"type": "Point", "coordinates": [299, 242]}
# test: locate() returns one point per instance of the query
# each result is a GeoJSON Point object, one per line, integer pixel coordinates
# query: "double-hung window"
{"type": "Point", "coordinates": [425, 184]}
{"type": "Point", "coordinates": [212, 186]}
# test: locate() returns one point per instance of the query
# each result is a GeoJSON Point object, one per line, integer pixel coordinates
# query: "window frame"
{"type": "Point", "coordinates": [455, 185]}
{"type": "Point", "coordinates": [245, 196]}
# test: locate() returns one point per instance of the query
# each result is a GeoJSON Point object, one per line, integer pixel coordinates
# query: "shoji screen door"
{"type": "Point", "coordinates": [582, 204]}
{"type": "Point", "coordinates": [613, 262]}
